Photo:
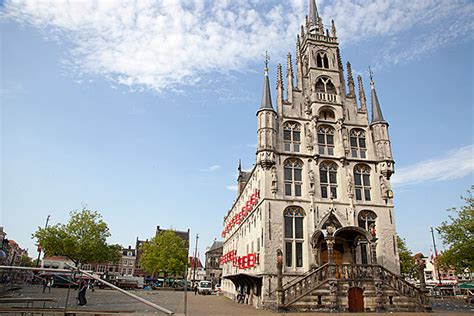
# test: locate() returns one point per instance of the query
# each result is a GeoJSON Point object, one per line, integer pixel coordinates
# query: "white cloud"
{"type": "Point", "coordinates": [168, 44]}
{"type": "Point", "coordinates": [231, 187]}
{"type": "Point", "coordinates": [453, 165]}
{"type": "Point", "coordinates": [211, 168]}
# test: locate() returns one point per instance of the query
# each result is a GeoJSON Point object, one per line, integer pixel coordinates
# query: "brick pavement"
{"type": "Point", "coordinates": [198, 305]}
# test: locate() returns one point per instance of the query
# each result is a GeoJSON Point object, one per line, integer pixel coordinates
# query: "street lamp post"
{"type": "Point", "coordinates": [39, 248]}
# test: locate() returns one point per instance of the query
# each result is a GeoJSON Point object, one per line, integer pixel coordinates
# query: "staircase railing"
{"type": "Point", "coordinates": [311, 280]}
{"type": "Point", "coordinates": [302, 286]}
{"type": "Point", "coordinates": [401, 285]}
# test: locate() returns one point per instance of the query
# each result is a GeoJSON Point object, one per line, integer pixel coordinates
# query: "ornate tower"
{"type": "Point", "coordinates": [316, 209]}
{"type": "Point", "coordinates": [267, 128]}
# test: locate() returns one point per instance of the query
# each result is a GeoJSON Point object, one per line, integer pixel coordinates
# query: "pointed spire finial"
{"type": "Point", "coordinates": [320, 26]}
{"type": "Point", "coordinates": [239, 168]}
{"type": "Point", "coordinates": [289, 66]}
{"type": "Point", "coordinates": [350, 80]}
{"type": "Point", "coordinates": [279, 76]}
{"type": "Point", "coordinates": [266, 97]}
{"type": "Point", "coordinates": [376, 111]}
{"type": "Point", "coordinates": [313, 14]}
{"type": "Point", "coordinates": [333, 29]}
{"type": "Point", "coordinates": [363, 100]}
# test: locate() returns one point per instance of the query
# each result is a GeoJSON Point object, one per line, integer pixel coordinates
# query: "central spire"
{"type": "Point", "coordinates": [313, 14]}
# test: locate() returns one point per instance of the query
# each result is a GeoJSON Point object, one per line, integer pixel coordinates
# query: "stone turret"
{"type": "Point", "coordinates": [267, 116]}
{"type": "Point", "coordinates": [380, 135]}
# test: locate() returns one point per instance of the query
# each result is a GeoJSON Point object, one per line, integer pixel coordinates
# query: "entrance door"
{"type": "Point", "coordinates": [356, 300]}
{"type": "Point", "coordinates": [337, 255]}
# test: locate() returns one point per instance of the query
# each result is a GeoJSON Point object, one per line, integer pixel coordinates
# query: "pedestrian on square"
{"type": "Point", "coordinates": [195, 289]}
{"type": "Point", "coordinates": [47, 284]}
{"type": "Point", "coordinates": [81, 296]}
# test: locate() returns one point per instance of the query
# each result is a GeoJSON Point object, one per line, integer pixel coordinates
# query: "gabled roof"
{"type": "Point", "coordinates": [216, 245]}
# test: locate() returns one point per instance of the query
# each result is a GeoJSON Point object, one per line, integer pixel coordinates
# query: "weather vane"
{"type": "Point", "coordinates": [371, 74]}
{"type": "Point", "coordinates": [267, 59]}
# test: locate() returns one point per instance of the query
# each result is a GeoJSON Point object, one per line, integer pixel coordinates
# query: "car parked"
{"type": "Point", "coordinates": [204, 287]}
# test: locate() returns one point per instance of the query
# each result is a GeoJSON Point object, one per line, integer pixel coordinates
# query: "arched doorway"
{"type": "Point", "coordinates": [356, 300]}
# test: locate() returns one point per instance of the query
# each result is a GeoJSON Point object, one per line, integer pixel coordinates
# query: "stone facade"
{"type": "Point", "coordinates": [213, 267]}
{"type": "Point", "coordinates": [320, 190]}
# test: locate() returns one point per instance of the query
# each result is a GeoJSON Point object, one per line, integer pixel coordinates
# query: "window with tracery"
{"type": "Point", "coordinates": [325, 85]}
{"type": "Point", "coordinates": [326, 140]}
{"type": "Point", "coordinates": [294, 236]}
{"type": "Point", "coordinates": [358, 145]}
{"type": "Point", "coordinates": [322, 60]}
{"type": "Point", "coordinates": [362, 182]}
{"type": "Point", "coordinates": [292, 136]}
{"type": "Point", "coordinates": [366, 218]}
{"type": "Point", "coordinates": [328, 179]}
{"type": "Point", "coordinates": [293, 169]}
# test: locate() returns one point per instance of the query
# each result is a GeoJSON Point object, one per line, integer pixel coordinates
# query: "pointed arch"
{"type": "Point", "coordinates": [329, 219]}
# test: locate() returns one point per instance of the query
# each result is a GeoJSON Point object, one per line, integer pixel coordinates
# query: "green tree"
{"type": "Point", "coordinates": [407, 263]}
{"type": "Point", "coordinates": [457, 234]}
{"type": "Point", "coordinates": [166, 252]}
{"type": "Point", "coordinates": [26, 261]}
{"type": "Point", "coordinates": [83, 239]}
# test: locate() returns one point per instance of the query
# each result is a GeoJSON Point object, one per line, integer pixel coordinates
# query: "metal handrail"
{"type": "Point", "coordinates": [155, 306]}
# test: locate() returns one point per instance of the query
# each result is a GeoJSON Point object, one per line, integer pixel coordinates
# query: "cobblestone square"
{"type": "Point", "coordinates": [198, 305]}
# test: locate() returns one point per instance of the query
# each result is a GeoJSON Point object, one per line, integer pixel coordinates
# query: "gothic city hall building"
{"type": "Point", "coordinates": [313, 226]}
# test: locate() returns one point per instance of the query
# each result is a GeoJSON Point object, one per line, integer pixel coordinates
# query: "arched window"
{"type": "Point", "coordinates": [325, 85]}
{"type": "Point", "coordinates": [358, 146]}
{"type": "Point", "coordinates": [292, 136]}
{"type": "Point", "coordinates": [292, 174]}
{"type": "Point", "coordinates": [362, 182]}
{"type": "Point", "coordinates": [327, 114]}
{"type": "Point", "coordinates": [366, 219]}
{"type": "Point", "coordinates": [294, 236]}
{"type": "Point", "coordinates": [326, 140]}
{"type": "Point", "coordinates": [322, 60]}
{"type": "Point", "coordinates": [328, 179]}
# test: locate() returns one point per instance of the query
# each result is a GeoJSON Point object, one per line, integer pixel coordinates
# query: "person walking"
{"type": "Point", "coordinates": [195, 289]}
{"type": "Point", "coordinates": [81, 296]}
{"type": "Point", "coordinates": [47, 284]}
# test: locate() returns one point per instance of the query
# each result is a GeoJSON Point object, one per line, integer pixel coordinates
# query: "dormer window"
{"type": "Point", "coordinates": [322, 60]}
{"type": "Point", "coordinates": [292, 136]}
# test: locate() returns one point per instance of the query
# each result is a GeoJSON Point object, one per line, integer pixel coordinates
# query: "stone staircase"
{"type": "Point", "coordinates": [325, 289]}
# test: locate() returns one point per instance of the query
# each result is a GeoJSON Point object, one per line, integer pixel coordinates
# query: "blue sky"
{"type": "Point", "coordinates": [142, 110]}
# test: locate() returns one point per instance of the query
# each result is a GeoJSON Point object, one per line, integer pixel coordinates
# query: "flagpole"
{"type": "Point", "coordinates": [436, 256]}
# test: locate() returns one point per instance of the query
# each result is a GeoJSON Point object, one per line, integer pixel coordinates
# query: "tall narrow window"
{"type": "Point", "coordinates": [294, 236]}
{"type": "Point", "coordinates": [328, 179]}
{"type": "Point", "coordinates": [326, 140]}
{"type": "Point", "coordinates": [358, 146]}
{"type": "Point", "coordinates": [362, 182]}
{"type": "Point", "coordinates": [322, 60]}
{"type": "Point", "coordinates": [293, 177]}
{"type": "Point", "coordinates": [292, 136]}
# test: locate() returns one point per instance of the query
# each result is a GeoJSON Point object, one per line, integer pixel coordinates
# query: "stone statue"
{"type": "Point", "coordinates": [307, 105]}
{"type": "Point", "coordinates": [345, 141]}
{"type": "Point", "coordinates": [350, 185]}
{"type": "Point", "coordinates": [309, 138]}
{"type": "Point", "coordinates": [274, 180]}
{"type": "Point", "coordinates": [311, 181]}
